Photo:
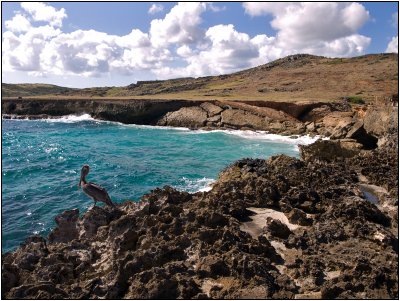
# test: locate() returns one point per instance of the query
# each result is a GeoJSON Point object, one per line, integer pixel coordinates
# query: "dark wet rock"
{"type": "Point", "coordinates": [298, 216]}
{"type": "Point", "coordinates": [277, 229]}
{"type": "Point", "coordinates": [174, 244]}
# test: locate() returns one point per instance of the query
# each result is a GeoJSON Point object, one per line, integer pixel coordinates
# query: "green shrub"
{"type": "Point", "coordinates": [355, 100]}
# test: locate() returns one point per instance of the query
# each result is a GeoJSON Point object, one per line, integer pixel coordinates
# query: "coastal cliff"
{"type": "Point", "coordinates": [276, 228]}
{"type": "Point", "coordinates": [337, 120]}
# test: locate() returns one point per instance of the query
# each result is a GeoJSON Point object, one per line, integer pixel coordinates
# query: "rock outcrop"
{"type": "Point", "coordinates": [337, 120]}
{"type": "Point", "coordinates": [314, 235]}
{"type": "Point", "coordinates": [146, 111]}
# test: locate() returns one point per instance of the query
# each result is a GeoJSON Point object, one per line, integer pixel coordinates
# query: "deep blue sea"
{"type": "Point", "coordinates": [41, 162]}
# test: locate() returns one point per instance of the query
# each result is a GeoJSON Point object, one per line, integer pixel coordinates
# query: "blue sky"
{"type": "Point", "coordinates": [82, 44]}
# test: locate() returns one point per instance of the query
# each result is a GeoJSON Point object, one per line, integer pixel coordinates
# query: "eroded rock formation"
{"type": "Point", "coordinates": [276, 228]}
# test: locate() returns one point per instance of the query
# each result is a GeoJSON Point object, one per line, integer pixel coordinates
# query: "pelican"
{"type": "Point", "coordinates": [92, 190]}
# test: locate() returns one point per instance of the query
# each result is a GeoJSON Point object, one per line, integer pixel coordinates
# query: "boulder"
{"type": "Point", "coordinates": [66, 229]}
{"type": "Point", "coordinates": [330, 150]}
{"type": "Point", "coordinates": [239, 118]}
{"type": "Point", "coordinates": [297, 216]}
{"type": "Point", "coordinates": [191, 117]}
{"type": "Point", "coordinates": [336, 124]}
{"type": "Point", "coordinates": [211, 109]}
{"type": "Point", "coordinates": [359, 133]}
{"type": "Point", "coordinates": [278, 229]}
{"type": "Point", "coordinates": [380, 120]}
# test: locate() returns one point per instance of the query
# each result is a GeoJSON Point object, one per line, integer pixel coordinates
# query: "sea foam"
{"type": "Point", "coordinates": [246, 134]}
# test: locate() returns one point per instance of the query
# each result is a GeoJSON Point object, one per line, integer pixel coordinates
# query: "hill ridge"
{"type": "Point", "coordinates": [295, 77]}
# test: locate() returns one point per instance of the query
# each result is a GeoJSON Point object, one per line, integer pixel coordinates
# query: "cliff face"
{"type": "Point", "coordinates": [126, 111]}
{"type": "Point", "coordinates": [276, 228]}
{"type": "Point", "coordinates": [337, 120]}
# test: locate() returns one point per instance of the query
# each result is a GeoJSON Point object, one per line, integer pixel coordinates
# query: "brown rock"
{"type": "Point", "coordinates": [379, 121]}
{"type": "Point", "coordinates": [211, 109]}
{"type": "Point", "coordinates": [240, 118]}
{"type": "Point", "coordinates": [336, 124]}
{"type": "Point", "coordinates": [330, 150]}
{"type": "Point", "coordinates": [66, 229]}
{"type": "Point", "coordinates": [191, 117]}
{"type": "Point", "coordinates": [278, 229]}
{"type": "Point", "coordinates": [297, 216]}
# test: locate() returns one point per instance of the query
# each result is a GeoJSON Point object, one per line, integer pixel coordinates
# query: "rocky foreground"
{"type": "Point", "coordinates": [276, 228]}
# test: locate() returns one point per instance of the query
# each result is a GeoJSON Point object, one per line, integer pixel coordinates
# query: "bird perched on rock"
{"type": "Point", "coordinates": [94, 191]}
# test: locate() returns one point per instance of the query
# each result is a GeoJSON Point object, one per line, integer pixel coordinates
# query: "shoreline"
{"type": "Point", "coordinates": [215, 244]}
{"type": "Point", "coordinates": [304, 139]}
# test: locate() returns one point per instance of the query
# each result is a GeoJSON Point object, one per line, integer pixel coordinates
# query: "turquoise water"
{"type": "Point", "coordinates": [42, 159]}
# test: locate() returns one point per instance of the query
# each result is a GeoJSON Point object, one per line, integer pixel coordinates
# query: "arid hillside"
{"type": "Point", "coordinates": [294, 78]}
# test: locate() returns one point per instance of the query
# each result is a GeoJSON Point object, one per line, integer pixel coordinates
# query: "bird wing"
{"type": "Point", "coordinates": [97, 193]}
{"type": "Point", "coordinates": [95, 186]}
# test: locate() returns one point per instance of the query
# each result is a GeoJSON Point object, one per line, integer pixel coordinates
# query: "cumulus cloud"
{"type": "Point", "coordinates": [23, 52]}
{"type": "Point", "coordinates": [18, 23]}
{"type": "Point", "coordinates": [155, 8]}
{"type": "Point", "coordinates": [393, 45]}
{"type": "Point", "coordinates": [178, 44]}
{"type": "Point", "coordinates": [225, 50]}
{"type": "Point", "coordinates": [180, 25]}
{"type": "Point", "coordinates": [42, 12]}
{"type": "Point", "coordinates": [318, 28]}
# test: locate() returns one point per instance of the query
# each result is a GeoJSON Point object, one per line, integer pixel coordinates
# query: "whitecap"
{"type": "Point", "coordinates": [246, 134]}
{"type": "Point", "coordinates": [70, 118]}
{"type": "Point", "coordinates": [195, 185]}
{"type": "Point", "coordinates": [264, 135]}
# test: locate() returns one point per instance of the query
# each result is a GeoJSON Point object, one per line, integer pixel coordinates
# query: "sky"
{"type": "Point", "coordinates": [86, 44]}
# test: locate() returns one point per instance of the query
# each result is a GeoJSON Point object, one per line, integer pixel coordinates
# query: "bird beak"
{"type": "Point", "coordinates": [80, 180]}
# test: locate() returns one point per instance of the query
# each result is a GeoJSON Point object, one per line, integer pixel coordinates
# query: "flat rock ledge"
{"type": "Point", "coordinates": [278, 228]}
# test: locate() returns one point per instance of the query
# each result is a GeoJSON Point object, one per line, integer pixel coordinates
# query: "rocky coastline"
{"type": "Point", "coordinates": [338, 120]}
{"type": "Point", "coordinates": [276, 228]}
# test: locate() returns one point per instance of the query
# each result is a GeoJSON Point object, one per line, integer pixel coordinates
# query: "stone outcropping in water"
{"type": "Point", "coordinates": [276, 228]}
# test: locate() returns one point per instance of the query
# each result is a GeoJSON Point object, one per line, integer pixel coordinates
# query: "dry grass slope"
{"type": "Point", "coordinates": [294, 78]}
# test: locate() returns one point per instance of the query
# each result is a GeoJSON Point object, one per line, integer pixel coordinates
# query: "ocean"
{"type": "Point", "coordinates": [42, 159]}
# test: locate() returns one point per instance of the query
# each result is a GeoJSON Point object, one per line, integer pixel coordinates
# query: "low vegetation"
{"type": "Point", "coordinates": [294, 78]}
{"type": "Point", "coordinates": [355, 99]}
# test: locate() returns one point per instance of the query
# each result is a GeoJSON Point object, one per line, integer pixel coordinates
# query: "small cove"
{"type": "Point", "coordinates": [42, 160]}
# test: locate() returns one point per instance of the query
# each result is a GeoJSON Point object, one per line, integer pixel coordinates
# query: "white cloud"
{"type": "Point", "coordinates": [395, 20]}
{"type": "Point", "coordinates": [23, 52]}
{"type": "Point", "coordinates": [184, 51]}
{"type": "Point", "coordinates": [215, 8]}
{"type": "Point", "coordinates": [318, 28]}
{"type": "Point", "coordinates": [18, 23]}
{"type": "Point", "coordinates": [264, 8]}
{"type": "Point", "coordinates": [226, 50]}
{"type": "Point", "coordinates": [42, 12]}
{"type": "Point", "coordinates": [155, 8]}
{"type": "Point", "coordinates": [178, 44]}
{"type": "Point", "coordinates": [393, 45]}
{"type": "Point", "coordinates": [180, 25]}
